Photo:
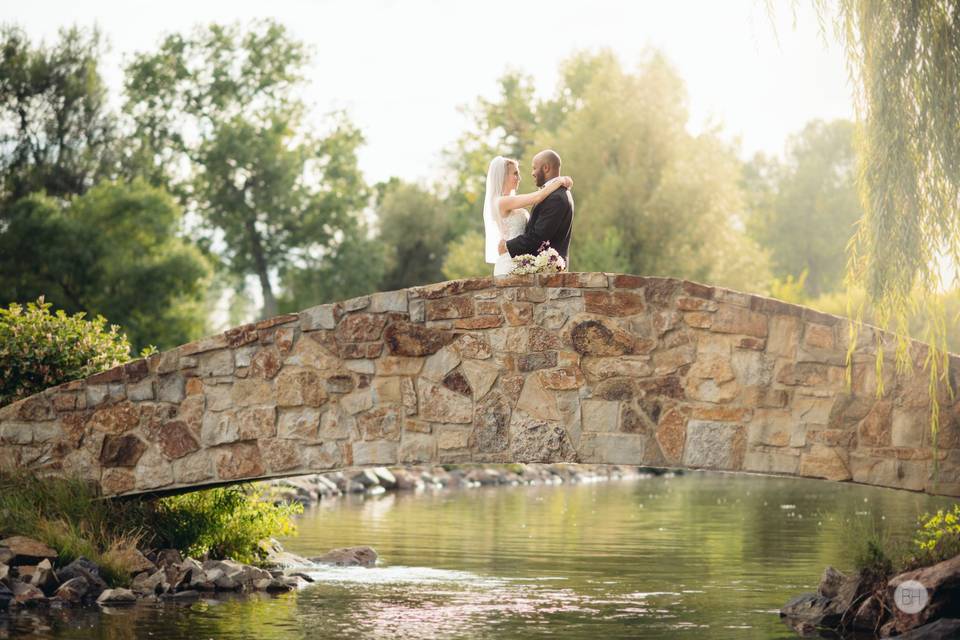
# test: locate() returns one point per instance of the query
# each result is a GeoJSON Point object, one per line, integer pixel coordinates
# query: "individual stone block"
{"type": "Point", "coordinates": [600, 415]}
{"type": "Point", "coordinates": [369, 453]}
{"type": "Point", "coordinates": [170, 388]}
{"type": "Point", "coordinates": [387, 301]}
{"type": "Point", "coordinates": [480, 375]}
{"type": "Point", "coordinates": [824, 462]}
{"type": "Point", "coordinates": [714, 445]}
{"type": "Point", "coordinates": [671, 435]}
{"type": "Point", "coordinates": [491, 425]}
{"type": "Point", "coordinates": [238, 461]}
{"type": "Point", "coordinates": [438, 404]}
{"type": "Point", "coordinates": [441, 363]}
{"type": "Point", "coordinates": [733, 319]}
{"type": "Point", "coordinates": [536, 401]}
{"type": "Point", "coordinates": [297, 387]}
{"type": "Point", "coordinates": [407, 339]}
{"type": "Point", "coordinates": [595, 338]}
{"type": "Point", "coordinates": [533, 440]}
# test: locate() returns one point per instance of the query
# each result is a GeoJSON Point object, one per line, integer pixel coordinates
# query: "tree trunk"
{"type": "Point", "coordinates": [269, 301]}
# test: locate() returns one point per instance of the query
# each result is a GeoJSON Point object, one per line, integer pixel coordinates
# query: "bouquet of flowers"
{"type": "Point", "coordinates": [547, 260]}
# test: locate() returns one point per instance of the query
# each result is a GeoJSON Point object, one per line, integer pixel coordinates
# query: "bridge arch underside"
{"type": "Point", "coordinates": [575, 367]}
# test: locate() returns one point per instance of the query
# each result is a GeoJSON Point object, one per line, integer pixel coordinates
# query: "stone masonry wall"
{"type": "Point", "coordinates": [579, 367]}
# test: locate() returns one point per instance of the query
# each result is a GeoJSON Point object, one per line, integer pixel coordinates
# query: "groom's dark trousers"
{"type": "Point", "coordinates": [550, 221]}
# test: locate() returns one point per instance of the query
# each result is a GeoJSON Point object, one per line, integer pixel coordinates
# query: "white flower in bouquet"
{"type": "Point", "coordinates": [547, 260]}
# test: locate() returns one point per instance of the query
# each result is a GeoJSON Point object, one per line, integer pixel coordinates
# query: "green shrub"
{"type": "Point", "coordinates": [39, 349]}
{"type": "Point", "coordinates": [226, 522]}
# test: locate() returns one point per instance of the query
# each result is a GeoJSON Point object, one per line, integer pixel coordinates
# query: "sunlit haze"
{"type": "Point", "coordinates": [403, 69]}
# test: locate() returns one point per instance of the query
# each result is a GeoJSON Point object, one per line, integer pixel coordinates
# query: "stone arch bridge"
{"type": "Point", "coordinates": [578, 367]}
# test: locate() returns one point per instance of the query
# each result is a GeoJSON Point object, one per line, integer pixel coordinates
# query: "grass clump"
{"type": "Point", "coordinates": [69, 516]}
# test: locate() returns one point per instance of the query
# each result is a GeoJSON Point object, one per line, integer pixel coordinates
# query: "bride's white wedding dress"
{"type": "Point", "coordinates": [511, 227]}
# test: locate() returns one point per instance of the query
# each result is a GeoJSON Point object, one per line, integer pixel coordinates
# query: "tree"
{"type": "Point", "coordinates": [354, 266]}
{"type": "Point", "coordinates": [113, 251]}
{"type": "Point", "coordinates": [222, 104]}
{"type": "Point", "coordinates": [465, 257]}
{"type": "Point", "coordinates": [57, 133]}
{"type": "Point", "coordinates": [414, 228]}
{"type": "Point", "coordinates": [805, 209]}
{"type": "Point", "coordinates": [651, 198]}
{"type": "Point", "coordinates": [905, 60]}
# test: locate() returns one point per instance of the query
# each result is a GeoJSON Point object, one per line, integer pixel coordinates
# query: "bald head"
{"type": "Point", "coordinates": [546, 166]}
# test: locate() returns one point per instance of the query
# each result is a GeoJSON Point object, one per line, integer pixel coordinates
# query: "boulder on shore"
{"type": "Point", "coordinates": [26, 551]}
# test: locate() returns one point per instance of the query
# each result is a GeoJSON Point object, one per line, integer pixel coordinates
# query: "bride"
{"type": "Point", "coordinates": [504, 215]}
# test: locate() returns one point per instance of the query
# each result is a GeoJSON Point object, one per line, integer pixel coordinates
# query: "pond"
{"type": "Point", "coordinates": [700, 555]}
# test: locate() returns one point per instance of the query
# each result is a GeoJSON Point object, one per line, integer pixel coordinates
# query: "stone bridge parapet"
{"type": "Point", "coordinates": [578, 367]}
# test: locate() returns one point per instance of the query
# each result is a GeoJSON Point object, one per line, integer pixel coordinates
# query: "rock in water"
{"type": "Point", "coordinates": [81, 567]}
{"type": "Point", "coordinates": [348, 557]}
{"type": "Point", "coordinates": [73, 590]}
{"type": "Point", "coordinates": [942, 582]}
{"type": "Point", "coordinates": [5, 597]}
{"type": "Point", "coordinates": [830, 582]}
{"type": "Point", "coordinates": [811, 609]}
{"type": "Point", "coordinates": [44, 578]}
{"type": "Point", "coordinates": [116, 597]}
{"type": "Point", "coordinates": [386, 478]}
{"type": "Point", "coordinates": [942, 629]}
{"type": "Point", "coordinates": [27, 594]}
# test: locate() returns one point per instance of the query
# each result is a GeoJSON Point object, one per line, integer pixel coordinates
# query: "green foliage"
{"type": "Point", "coordinates": [57, 134]}
{"type": "Point", "coordinates": [790, 289]}
{"type": "Point", "coordinates": [222, 102]}
{"type": "Point", "coordinates": [352, 266]}
{"type": "Point", "coordinates": [465, 257]}
{"type": "Point", "coordinates": [804, 209]}
{"type": "Point", "coordinates": [113, 251]}
{"type": "Point", "coordinates": [40, 349]}
{"type": "Point", "coordinates": [225, 522]}
{"type": "Point", "coordinates": [938, 537]}
{"type": "Point", "coordinates": [903, 59]}
{"type": "Point", "coordinates": [415, 230]}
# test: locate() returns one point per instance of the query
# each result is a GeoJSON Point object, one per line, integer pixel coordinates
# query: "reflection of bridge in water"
{"type": "Point", "coordinates": [579, 367]}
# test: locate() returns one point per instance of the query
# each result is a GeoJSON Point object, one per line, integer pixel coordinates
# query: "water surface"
{"type": "Point", "coordinates": [703, 555]}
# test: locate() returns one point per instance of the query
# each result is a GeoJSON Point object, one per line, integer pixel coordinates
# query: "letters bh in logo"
{"type": "Point", "coordinates": [910, 596]}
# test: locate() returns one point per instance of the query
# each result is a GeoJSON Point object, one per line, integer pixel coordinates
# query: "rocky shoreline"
{"type": "Point", "coordinates": [863, 603]}
{"type": "Point", "coordinates": [311, 489]}
{"type": "Point", "coordinates": [31, 579]}
{"type": "Point", "coordinates": [28, 579]}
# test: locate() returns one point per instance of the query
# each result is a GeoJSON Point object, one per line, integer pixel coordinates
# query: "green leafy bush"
{"type": "Point", "coordinates": [226, 522]}
{"type": "Point", "coordinates": [40, 349]}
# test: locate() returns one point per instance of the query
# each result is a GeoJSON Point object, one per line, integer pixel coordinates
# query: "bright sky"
{"type": "Point", "coordinates": [402, 68]}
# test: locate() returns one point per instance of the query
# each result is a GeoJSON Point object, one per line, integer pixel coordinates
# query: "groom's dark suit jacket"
{"type": "Point", "coordinates": [551, 220]}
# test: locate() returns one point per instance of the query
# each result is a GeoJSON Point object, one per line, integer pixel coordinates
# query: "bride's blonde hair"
{"type": "Point", "coordinates": [506, 174]}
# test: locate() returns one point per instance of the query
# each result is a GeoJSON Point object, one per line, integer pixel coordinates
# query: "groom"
{"type": "Point", "coordinates": [551, 220]}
